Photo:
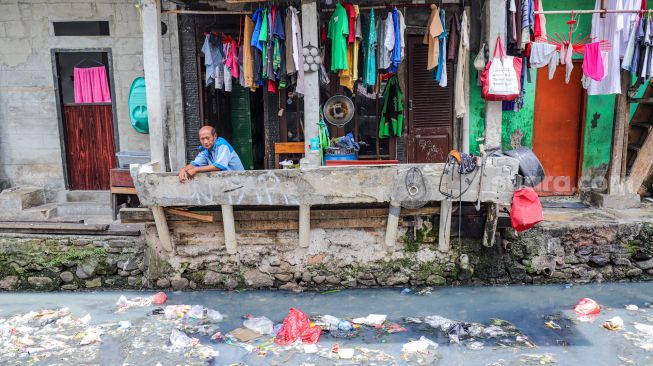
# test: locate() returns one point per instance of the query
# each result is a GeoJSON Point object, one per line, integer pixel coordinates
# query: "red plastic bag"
{"type": "Point", "coordinates": [501, 78]}
{"type": "Point", "coordinates": [297, 326]}
{"type": "Point", "coordinates": [587, 309]}
{"type": "Point", "coordinates": [159, 298]}
{"type": "Point", "coordinates": [526, 209]}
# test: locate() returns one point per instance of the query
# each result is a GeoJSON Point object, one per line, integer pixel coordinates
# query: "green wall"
{"type": "Point", "coordinates": [517, 127]}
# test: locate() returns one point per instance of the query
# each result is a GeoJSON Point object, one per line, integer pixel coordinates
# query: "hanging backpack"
{"type": "Point", "coordinates": [526, 209]}
{"type": "Point", "coordinates": [501, 78]}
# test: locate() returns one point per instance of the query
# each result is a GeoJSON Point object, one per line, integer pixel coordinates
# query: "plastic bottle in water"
{"type": "Point", "coordinates": [335, 323]}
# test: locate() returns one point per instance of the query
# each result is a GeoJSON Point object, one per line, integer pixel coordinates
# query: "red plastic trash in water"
{"type": "Point", "coordinates": [526, 209]}
{"type": "Point", "coordinates": [297, 326]}
{"type": "Point", "coordinates": [587, 307]}
{"type": "Point", "coordinates": [159, 298]}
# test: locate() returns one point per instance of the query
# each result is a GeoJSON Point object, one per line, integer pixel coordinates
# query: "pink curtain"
{"type": "Point", "coordinates": [91, 85]}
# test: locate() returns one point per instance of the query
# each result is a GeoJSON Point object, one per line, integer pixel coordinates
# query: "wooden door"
{"type": "Point", "coordinates": [430, 108]}
{"type": "Point", "coordinates": [557, 129]}
{"type": "Point", "coordinates": [90, 149]}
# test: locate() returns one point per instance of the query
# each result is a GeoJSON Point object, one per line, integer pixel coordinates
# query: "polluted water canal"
{"type": "Point", "coordinates": [603, 324]}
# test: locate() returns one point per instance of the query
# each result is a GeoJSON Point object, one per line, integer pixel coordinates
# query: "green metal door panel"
{"type": "Point", "coordinates": [241, 125]}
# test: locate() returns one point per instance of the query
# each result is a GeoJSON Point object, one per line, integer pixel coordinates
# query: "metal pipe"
{"type": "Point", "coordinates": [545, 12]}
{"type": "Point", "coordinates": [207, 12]}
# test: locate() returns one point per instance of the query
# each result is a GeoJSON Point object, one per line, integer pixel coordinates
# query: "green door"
{"type": "Point", "coordinates": [241, 125]}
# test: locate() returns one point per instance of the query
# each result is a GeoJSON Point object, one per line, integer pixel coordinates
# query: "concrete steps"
{"type": "Point", "coordinates": [28, 204]}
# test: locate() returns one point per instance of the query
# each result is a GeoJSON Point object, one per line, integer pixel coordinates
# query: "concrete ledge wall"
{"type": "Point", "coordinates": [320, 186]}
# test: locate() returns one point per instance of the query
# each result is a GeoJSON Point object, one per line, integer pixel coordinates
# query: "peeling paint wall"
{"type": "Point", "coordinates": [517, 127]}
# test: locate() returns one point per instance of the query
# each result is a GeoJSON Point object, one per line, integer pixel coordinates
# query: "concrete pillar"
{"type": "Point", "coordinates": [393, 224]}
{"type": "Point", "coordinates": [304, 226]}
{"type": "Point", "coordinates": [154, 81]}
{"type": "Point", "coordinates": [444, 233]}
{"type": "Point", "coordinates": [310, 33]}
{"type": "Point", "coordinates": [229, 227]}
{"type": "Point", "coordinates": [495, 23]}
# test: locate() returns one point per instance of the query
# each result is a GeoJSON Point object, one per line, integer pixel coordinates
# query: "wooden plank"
{"type": "Point", "coordinates": [137, 215]}
{"type": "Point", "coordinates": [121, 178]}
{"type": "Point", "coordinates": [641, 100]}
{"type": "Point", "coordinates": [189, 214]}
{"type": "Point", "coordinates": [267, 225]}
{"type": "Point", "coordinates": [618, 135]}
{"type": "Point", "coordinates": [641, 168]}
{"type": "Point", "coordinates": [289, 148]}
{"type": "Point", "coordinates": [52, 225]}
{"type": "Point", "coordinates": [123, 190]}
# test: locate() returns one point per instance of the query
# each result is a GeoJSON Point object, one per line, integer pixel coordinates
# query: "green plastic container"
{"type": "Point", "coordinates": [138, 106]}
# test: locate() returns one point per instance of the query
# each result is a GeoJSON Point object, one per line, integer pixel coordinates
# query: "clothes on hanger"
{"type": "Point", "coordinates": [392, 114]}
{"type": "Point", "coordinates": [609, 28]}
{"type": "Point", "coordinates": [434, 28]}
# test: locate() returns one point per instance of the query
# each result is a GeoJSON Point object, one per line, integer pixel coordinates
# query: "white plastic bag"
{"type": "Point", "coordinates": [260, 325]}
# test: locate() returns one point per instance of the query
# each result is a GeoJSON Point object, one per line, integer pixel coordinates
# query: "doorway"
{"type": "Point", "coordinates": [86, 125]}
{"type": "Point", "coordinates": [558, 130]}
{"type": "Point", "coordinates": [430, 108]}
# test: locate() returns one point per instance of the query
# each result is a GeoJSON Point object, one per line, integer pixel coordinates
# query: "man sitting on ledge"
{"type": "Point", "coordinates": [215, 154]}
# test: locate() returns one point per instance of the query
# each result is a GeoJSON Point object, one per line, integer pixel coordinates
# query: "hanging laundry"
{"type": "Point", "coordinates": [90, 85]}
{"type": "Point", "coordinates": [395, 56]}
{"type": "Point", "coordinates": [348, 76]}
{"type": "Point", "coordinates": [279, 53]}
{"type": "Point", "coordinates": [297, 48]}
{"type": "Point", "coordinates": [527, 22]}
{"type": "Point", "coordinates": [593, 62]}
{"type": "Point", "coordinates": [392, 114]}
{"type": "Point", "coordinates": [351, 22]}
{"type": "Point", "coordinates": [402, 34]}
{"type": "Point", "coordinates": [462, 69]}
{"type": "Point", "coordinates": [442, 63]}
{"type": "Point", "coordinates": [226, 74]}
{"type": "Point", "coordinates": [291, 67]}
{"type": "Point", "coordinates": [608, 28]}
{"type": "Point", "coordinates": [646, 50]}
{"type": "Point", "coordinates": [382, 56]}
{"type": "Point", "coordinates": [232, 59]}
{"type": "Point", "coordinates": [389, 41]}
{"type": "Point", "coordinates": [369, 56]}
{"type": "Point", "coordinates": [630, 23]}
{"type": "Point", "coordinates": [629, 53]}
{"type": "Point", "coordinates": [544, 54]}
{"type": "Point", "coordinates": [218, 72]}
{"type": "Point", "coordinates": [637, 53]}
{"type": "Point", "coordinates": [454, 38]}
{"type": "Point", "coordinates": [210, 58]}
{"type": "Point", "coordinates": [434, 28]}
{"type": "Point", "coordinates": [257, 18]}
{"type": "Point", "coordinates": [540, 20]}
{"type": "Point", "coordinates": [338, 31]}
{"type": "Point", "coordinates": [248, 56]}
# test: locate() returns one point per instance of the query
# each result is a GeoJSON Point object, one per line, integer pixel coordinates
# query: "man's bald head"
{"type": "Point", "coordinates": [208, 129]}
{"type": "Point", "coordinates": [208, 135]}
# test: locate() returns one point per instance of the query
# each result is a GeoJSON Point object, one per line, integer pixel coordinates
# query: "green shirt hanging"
{"type": "Point", "coordinates": [338, 31]}
{"type": "Point", "coordinates": [392, 114]}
